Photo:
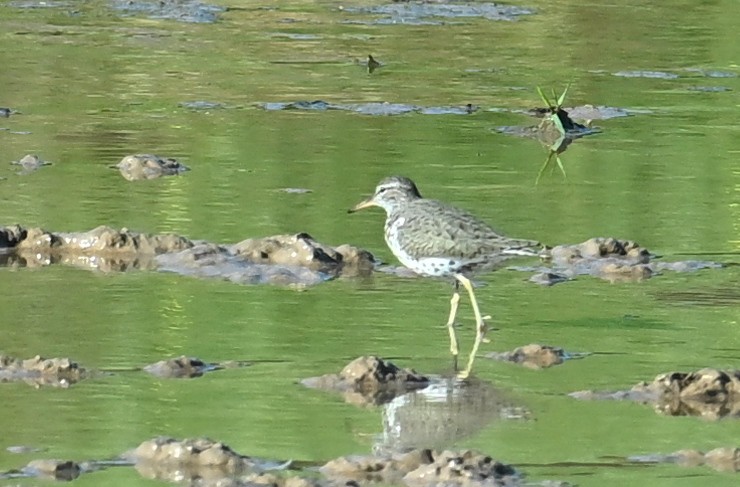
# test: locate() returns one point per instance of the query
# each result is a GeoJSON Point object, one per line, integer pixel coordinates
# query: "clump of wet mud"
{"type": "Point", "coordinates": [294, 260]}
{"type": "Point", "coordinates": [610, 259]}
{"type": "Point", "coordinates": [724, 459]}
{"type": "Point", "coordinates": [148, 166]}
{"type": "Point", "coordinates": [38, 371]}
{"type": "Point", "coordinates": [369, 380]}
{"type": "Point", "coordinates": [204, 462]}
{"type": "Point", "coordinates": [180, 367]}
{"type": "Point", "coordinates": [423, 467]}
{"type": "Point", "coordinates": [53, 469]}
{"type": "Point", "coordinates": [709, 393]}
{"type": "Point", "coordinates": [167, 458]}
{"type": "Point", "coordinates": [535, 356]}
{"type": "Point", "coordinates": [30, 163]}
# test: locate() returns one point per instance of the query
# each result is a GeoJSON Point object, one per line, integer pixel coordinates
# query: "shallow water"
{"type": "Point", "coordinates": [93, 86]}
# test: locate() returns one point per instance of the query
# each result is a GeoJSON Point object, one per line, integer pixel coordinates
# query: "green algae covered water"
{"type": "Point", "coordinates": [93, 85]}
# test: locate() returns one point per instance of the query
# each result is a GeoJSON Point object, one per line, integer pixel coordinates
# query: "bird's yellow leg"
{"type": "Point", "coordinates": [480, 324]}
{"type": "Point", "coordinates": [451, 325]}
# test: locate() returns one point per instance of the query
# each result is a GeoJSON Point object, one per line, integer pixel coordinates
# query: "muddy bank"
{"type": "Point", "coordinates": [423, 467]}
{"type": "Point", "coordinates": [709, 393]}
{"type": "Point", "coordinates": [213, 463]}
{"type": "Point", "coordinates": [535, 356]}
{"type": "Point", "coordinates": [294, 260]}
{"type": "Point", "coordinates": [204, 462]}
{"type": "Point", "coordinates": [38, 371]}
{"type": "Point", "coordinates": [725, 459]}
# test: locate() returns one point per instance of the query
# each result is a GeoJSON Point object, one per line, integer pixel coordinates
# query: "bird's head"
{"type": "Point", "coordinates": [390, 194]}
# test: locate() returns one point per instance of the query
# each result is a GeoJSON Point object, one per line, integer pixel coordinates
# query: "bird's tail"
{"type": "Point", "coordinates": [526, 248]}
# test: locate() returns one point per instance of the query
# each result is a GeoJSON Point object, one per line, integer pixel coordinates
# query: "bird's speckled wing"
{"type": "Point", "coordinates": [435, 229]}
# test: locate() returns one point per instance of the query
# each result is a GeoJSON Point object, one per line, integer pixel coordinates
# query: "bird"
{"type": "Point", "coordinates": [433, 238]}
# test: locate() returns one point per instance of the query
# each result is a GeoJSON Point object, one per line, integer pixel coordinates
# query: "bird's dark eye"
{"type": "Point", "coordinates": [382, 189]}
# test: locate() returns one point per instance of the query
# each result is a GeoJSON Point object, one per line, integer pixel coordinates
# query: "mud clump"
{"type": "Point", "coordinates": [292, 260]}
{"type": "Point", "coordinates": [535, 356]}
{"type": "Point", "coordinates": [180, 367]}
{"type": "Point", "coordinates": [53, 469]}
{"type": "Point", "coordinates": [369, 380]}
{"type": "Point", "coordinates": [169, 459]}
{"type": "Point", "coordinates": [148, 166]}
{"type": "Point", "coordinates": [709, 393]}
{"type": "Point", "coordinates": [38, 371]}
{"type": "Point", "coordinates": [423, 468]}
{"type": "Point", "coordinates": [204, 462]}
{"type": "Point", "coordinates": [30, 163]}
{"type": "Point", "coordinates": [610, 259]}
{"type": "Point", "coordinates": [303, 250]}
{"type": "Point", "coordinates": [100, 240]}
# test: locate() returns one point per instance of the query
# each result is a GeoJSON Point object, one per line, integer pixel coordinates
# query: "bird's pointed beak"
{"type": "Point", "coordinates": [363, 204]}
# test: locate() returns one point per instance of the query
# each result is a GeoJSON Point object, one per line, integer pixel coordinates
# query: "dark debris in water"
{"type": "Point", "coordinates": [6, 112]}
{"type": "Point", "coordinates": [202, 105]}
{"type": "Point", "coordinates": [646, 74]}
{"type": "Point", "coordinates": [708, 393]}
{"type": "Point", "coordinates": [709, 89]}
{"type": "Point", "coordinates": [377, 108]}
{"type": "Point", "coordinates": [191, 11]}
{"type": "Point", "coordinates": [432, 13]}
{"type": "Point", "coordinates": [711, 73]}
{"type": "Point", "coordinates": [728, 296]}
{"type": "Point", "coordinates": [584, 112]}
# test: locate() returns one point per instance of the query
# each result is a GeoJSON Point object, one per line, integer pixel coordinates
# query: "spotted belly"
{"type": "Point", "coordinates": [429, 266]}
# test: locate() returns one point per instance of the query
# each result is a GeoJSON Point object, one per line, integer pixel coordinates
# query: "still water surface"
{"type": "Point", "coordinates": [93, 86]}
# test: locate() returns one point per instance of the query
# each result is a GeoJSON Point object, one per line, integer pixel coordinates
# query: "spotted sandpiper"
{"type": "Point", "coordinates": [433, 238]}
